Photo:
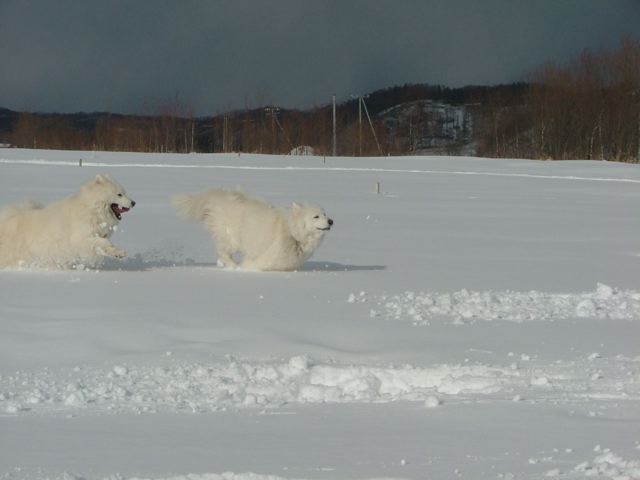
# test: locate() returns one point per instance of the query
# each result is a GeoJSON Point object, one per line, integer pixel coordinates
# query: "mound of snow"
{"type": "Point", "coordinates": [604, 303]}
{"type": "Point", "coordinates": [198, 387]}
{"type": "Point", "coordinates": [303, 150]}
{"type": "Point", "coordinates": [225, 476]}
{"type": "Point", "coordinates": [212, 387]}
{"type": "Point", "coordinates": [608, 465]}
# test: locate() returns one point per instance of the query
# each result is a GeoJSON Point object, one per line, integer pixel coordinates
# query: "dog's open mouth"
{"type": "Point", "coordinates": [118, 210]}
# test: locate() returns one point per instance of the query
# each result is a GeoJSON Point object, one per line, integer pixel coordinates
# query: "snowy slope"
{"type": "Point", "coordinates": [431, 127]}
{"type": "Point", "coordinates": [476, 319]}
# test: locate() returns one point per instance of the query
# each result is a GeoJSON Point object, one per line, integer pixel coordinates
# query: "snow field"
{"type": "Point", "coordinates": [194, 476]}
{"type": "Point", "coordinates": [225, 476]}
{"type": "Point", "coordinates": [605, 303]}
{"type": "Point", "coordinates": [605, 465]}
{"type": "Point", "coordinates": [206, 388]}
{"type": "Point", "coordinates": [491, 329]}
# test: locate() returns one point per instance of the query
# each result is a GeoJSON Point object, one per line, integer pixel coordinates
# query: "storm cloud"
{"type": "Point", "coordinates": [132, 56]}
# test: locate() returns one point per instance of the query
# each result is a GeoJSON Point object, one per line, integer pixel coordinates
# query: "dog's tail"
{"type": "Point", "coordinates": [190, 207]}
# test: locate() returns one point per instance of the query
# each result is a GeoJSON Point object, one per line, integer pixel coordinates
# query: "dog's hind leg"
{"type": "Point", "coordinates": [225, 252]}
{"type": "Point", "coordinates": [225, 260]}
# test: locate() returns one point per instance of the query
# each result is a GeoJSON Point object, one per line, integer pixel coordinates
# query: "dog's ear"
{"type": "Point", "coordinates": [100, 178]}
{"type": "Point", "coordinates": [295, 207]}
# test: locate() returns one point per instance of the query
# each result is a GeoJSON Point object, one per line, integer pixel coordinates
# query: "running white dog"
{"type": "Point", "coordinates": [71, 232]}
{"type": "Point", "coordinates": [267, 238]}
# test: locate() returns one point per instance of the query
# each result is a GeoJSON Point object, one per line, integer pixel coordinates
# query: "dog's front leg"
{"type": "Point", "coordinates": [105, 248]}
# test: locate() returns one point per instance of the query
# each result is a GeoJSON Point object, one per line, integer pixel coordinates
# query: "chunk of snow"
{"type": "Point", "coordinates": [432, 402]}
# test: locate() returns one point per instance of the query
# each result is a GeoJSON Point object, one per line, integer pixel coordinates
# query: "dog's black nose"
{"type": "Point", "coordinates": [133, 204]}
{"type": "Point", "coordinates": [330, 222]}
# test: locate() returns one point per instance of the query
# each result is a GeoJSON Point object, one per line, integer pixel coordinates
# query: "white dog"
{"type": "Point", "coordinates": [267, 238]}
{"type": "Point", "coordinates": [71, 232]}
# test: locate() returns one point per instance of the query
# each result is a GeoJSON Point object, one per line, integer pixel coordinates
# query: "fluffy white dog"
{"type": "Point", "coordinates": [73, 231]}
{"type": "Point", "coordinates": [267, 238]}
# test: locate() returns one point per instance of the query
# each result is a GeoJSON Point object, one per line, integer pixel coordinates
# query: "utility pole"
{"type": "Point", "coordinates": [283, 131]}
{"type": "Point", "coordinates": [334, 126]}
{"type": "Point", "coordinates": [373, 131]}
{"type": "Point", "coordinates": [411, 133]}
{"type": "Point", "coordinates": [638, 157]}
{"type": "Point", "coordinates": [360, 100]}
{"type": "Point", "coordinates": [193, 134]}
{"type": "Point", "coordinates": [360, 125]}
{"type": "Point", "coordinates": [224, 134]}
{"type": "Point", "coordinates": [271, 111]}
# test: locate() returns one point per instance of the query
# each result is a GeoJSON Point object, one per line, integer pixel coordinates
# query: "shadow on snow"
{"type": "Point", "coordinates": [138, 264]}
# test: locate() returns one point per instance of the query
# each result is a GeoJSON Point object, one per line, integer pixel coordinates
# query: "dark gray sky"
{"type": "Point", "coordinates": [132, 56]}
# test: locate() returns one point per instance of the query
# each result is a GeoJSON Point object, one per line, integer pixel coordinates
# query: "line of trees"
{"type": "Point", "coordinates": [171, 129]}
{"type": "Point", "coordinates": [175, 129]}
{"type": "Point", "coordinates": [54, 132]}
{"type": "Point", "coordinates": [588, 109]}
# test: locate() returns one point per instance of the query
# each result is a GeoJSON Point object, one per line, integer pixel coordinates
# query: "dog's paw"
{"type": "Point", "coordinates": [119, 253]}
{"type": "Point", "coordinates": [230, 265]}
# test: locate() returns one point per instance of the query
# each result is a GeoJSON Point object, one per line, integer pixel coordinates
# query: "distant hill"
{"type": "Point", "coordinates": [8, 119]}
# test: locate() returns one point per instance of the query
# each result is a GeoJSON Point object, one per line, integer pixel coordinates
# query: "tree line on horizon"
{"type": "Point", "coordinates": [586, 109]}
{"type": "Point", "coordinates": [173, 127]}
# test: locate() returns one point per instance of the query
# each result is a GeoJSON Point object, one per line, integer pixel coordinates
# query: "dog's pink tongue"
{"type": "Point", "coordinates": [121, 209]}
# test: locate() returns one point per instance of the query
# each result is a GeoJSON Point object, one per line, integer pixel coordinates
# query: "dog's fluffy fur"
{"type": "Point", "coordinates": [71, 232]}
{"type": "Point", "coordinates": [266, 237]}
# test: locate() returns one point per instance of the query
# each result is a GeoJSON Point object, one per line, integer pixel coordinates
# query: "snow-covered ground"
{"type": "Point", "coordinates": [476, 319]}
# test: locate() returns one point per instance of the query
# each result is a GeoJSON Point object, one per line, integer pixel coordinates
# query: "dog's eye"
{"type": "Point", "coordinates": [317, 216]}
{"type": "Point", "coordinates": [119, 194]}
